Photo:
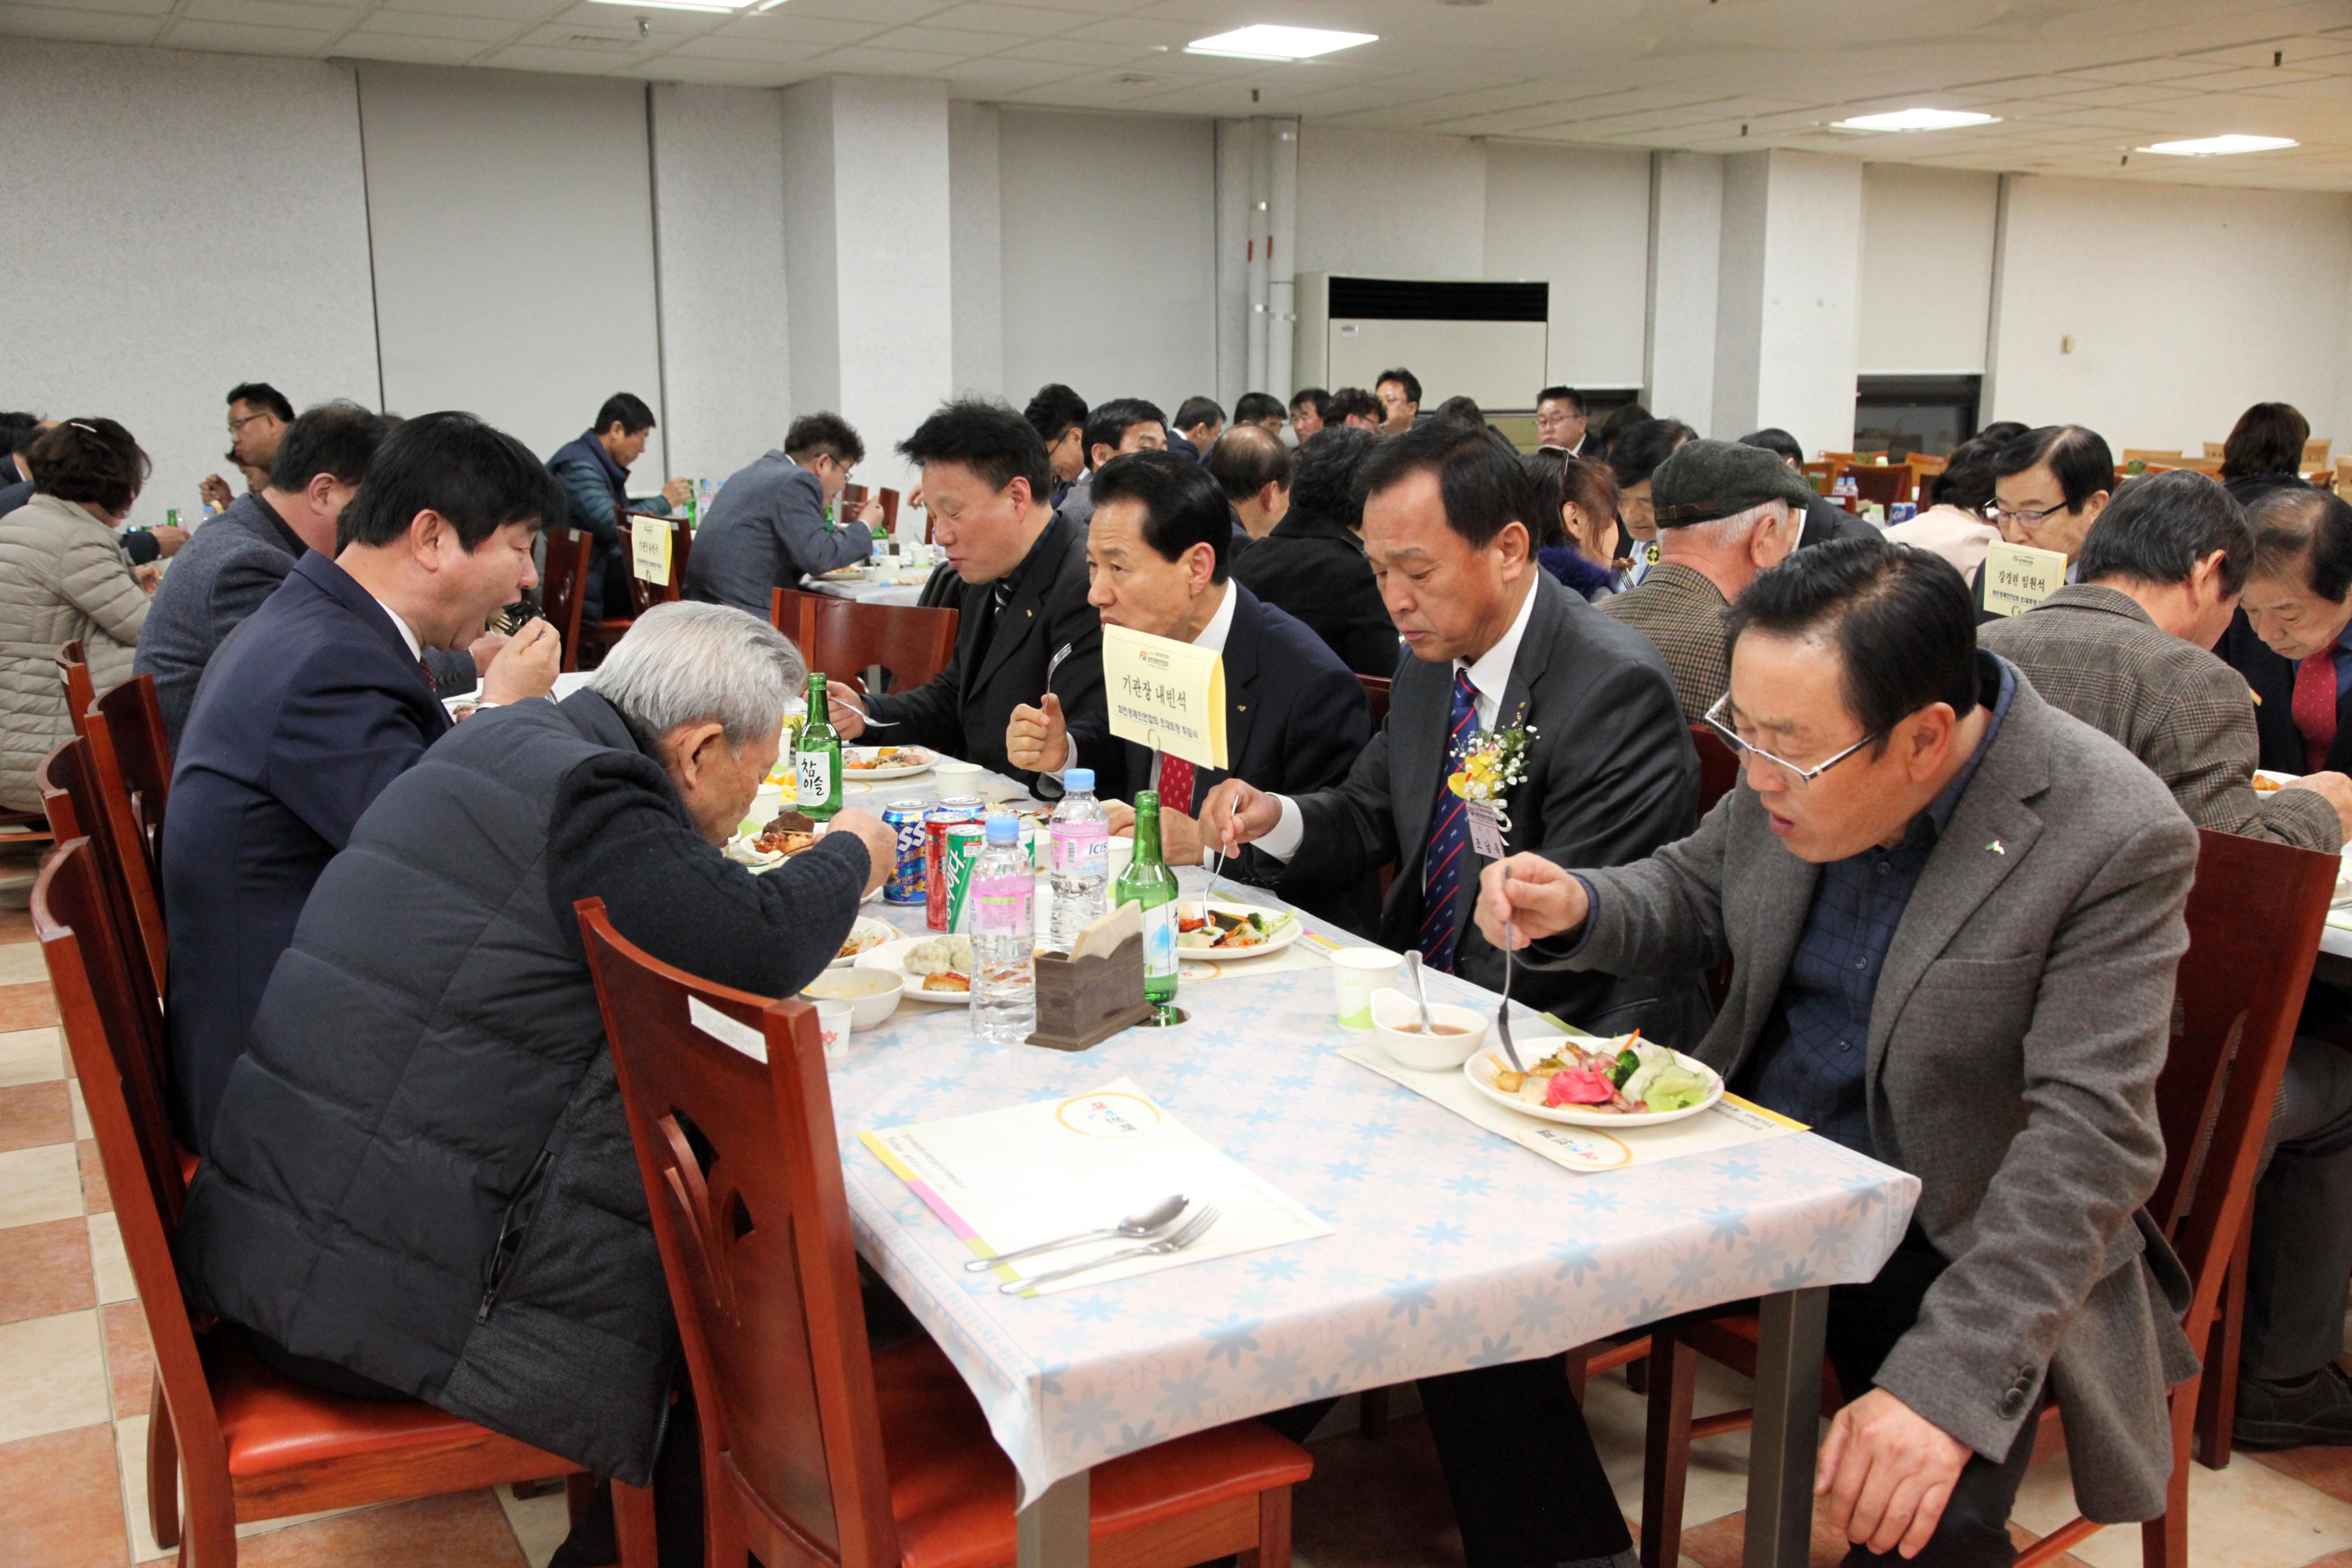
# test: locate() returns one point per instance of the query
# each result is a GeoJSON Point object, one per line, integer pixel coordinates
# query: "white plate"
{"type": "Point", "coordinates": [892, 958]}
{"type": "Point", "coordinates": [895, 770]}
{"type": "Point", "coordinates": [866, 923]}
{"type": "Point", "coordinates": [1189, 908]}
{"type": "Point", "coordinates": [1481, 1068]}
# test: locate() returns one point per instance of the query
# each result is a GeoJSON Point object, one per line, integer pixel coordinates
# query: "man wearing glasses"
{"type": "Point", "coordinates": [1953, 915]}
{"type": "Point", "coordinates": [2048, 486]}
{"type": "Point", "coordinates": [258, 417]}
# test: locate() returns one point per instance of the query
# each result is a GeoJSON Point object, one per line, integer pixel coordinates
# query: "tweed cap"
{"type": "Point", "coordinates": [1705, 480]}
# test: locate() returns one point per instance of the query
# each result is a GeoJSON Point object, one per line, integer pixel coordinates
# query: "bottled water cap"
{"type": "Point", "coordinates": [1078, 778]}
{"type": "Point", "coordinates": [1004, 830]}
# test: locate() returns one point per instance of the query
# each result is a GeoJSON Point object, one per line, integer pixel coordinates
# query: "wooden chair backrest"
{"type": "Point", "coordinates": [2315, 453]}
{"type": "Point", "coordinates": [560, 596]}
{"type": "Point", "coordinates": [73, 669]}
{"type": "Point", "coordinates": [2151, 455]}
{"type": "Point", "coordinates": [76, 802]}
{"type": "Point", "coordinates": [846, 638]}
{"type": "Point", "coordinates": [644, 595]}
{"type": "Point", "coordinates": [2201, 465]}
{"type": "Point", "coordinates": [789, 610]}
{"type": "Point", "coordinates": [1376, 692]}
{"type": "Point", "coordinates": [890, 499]}
{"type": "Point", "coordinates": [2255, 917]}
{"type": "Point", "coordinates": [2214, 449]}
{"type": "Point", "coordinates": [131, 761]}
{"type": "Point", "coordinates": [742, 1174]}
{"type": "Point", "coordinates": [1884, 486]}
{"type": "Point", "coordinates": [1718, 767]}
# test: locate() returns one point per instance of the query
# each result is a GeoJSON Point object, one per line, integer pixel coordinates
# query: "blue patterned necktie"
{"type": "Point", "coordinates": [1449, 838]}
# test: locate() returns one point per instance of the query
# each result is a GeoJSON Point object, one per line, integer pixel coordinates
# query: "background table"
{"type": "Point", "coordinates": [1453, 1249]}
{"type": "Point", "coordinates": [869, 593]}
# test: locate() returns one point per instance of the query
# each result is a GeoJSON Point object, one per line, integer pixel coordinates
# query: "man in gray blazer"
{"type": "Point", "coordinates": [1953, 915]}
{"type": "Point", "coordinates": [769, 524]}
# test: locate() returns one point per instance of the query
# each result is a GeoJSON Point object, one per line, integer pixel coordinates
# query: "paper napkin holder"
{"type": "Point", "coordinates": [1082, 1002]}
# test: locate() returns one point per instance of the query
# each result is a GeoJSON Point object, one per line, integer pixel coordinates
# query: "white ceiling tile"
{"type": "Point", "coordinates": [243, 38]}
{"type": "Point", "coordinates": [772, 26]}
{"type": "Point", "coordinates": [296, 13]}
{"type": "Point", "coordinates": [718, 73]}
{"type": "Point", "coordinates": [368, 43]}
{"type": "Point", "coordinates": [57, 22]}
{"type": "Point", "coordinates": [871, 14]}
{"type": "Point", "coordinates": [512, 10]}
{"type": "Point", "coordinates": [420, 24]}
{"type": "Point", "coordinates": [538, 58]}
{"type": "Point", "coordinates": [1077, 52]}
{"type": "Point", "coordinates": [1015, 21]}
{"type": "Point", "coordinates": [857, 59]}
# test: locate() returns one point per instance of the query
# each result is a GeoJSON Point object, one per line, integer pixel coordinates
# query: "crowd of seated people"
{"type": "Point", "coordinates": [339, 846]}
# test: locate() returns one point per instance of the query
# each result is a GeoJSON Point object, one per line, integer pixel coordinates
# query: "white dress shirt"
{"type": "Point", "coordinates": [1221, 621]}
{"type": "Point", "coordinates": [415, 648]}
{"type": "Point", "coordinates": [1490, 673]}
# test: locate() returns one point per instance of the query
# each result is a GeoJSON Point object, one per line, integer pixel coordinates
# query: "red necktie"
{"type": "Point", "coordinates": [2314, 707]}
{"type": "Point", "coordinates": [1175, 785]}
{"type": "Point", "coordinates": [430, 684]}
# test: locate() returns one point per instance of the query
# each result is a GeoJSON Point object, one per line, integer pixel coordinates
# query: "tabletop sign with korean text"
{"type": "Point", "coordinates": [1166, 694]}
{"type": "Point", "coordinates": [2016, 577]}
{"type": "Point", "coordinates": [649, 549]}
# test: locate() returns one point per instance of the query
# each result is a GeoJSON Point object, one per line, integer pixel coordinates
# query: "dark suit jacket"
{"type": "Point", "coordinates": [2272, 680]}
{"type": "Point", "coordinates": [308, 710]}
{"type": "Point", "coordinates": [1314, 570]}
{"type": "Point", "coordinates": [1000, 662]}
{"type": "Point", "coordinates": [1825, 520]}
{"type": "Point", "coordinates": [228, 567]}
{"type": "Point", "coordinates": [1296, 720]}
{"type": "Point", "coordinates": [13, 496]}
{"type": "Point", "coordinates": [1612, 777]}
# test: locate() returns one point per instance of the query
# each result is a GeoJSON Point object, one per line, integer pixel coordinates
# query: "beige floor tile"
{"type": "Point", "coordinates": [39, 1184]}
{"type": "Point", "coordinates": [21, 964]}
{"type": "Point", "coordinates": [541, 1524]}
{"type": "Point", "coordinates": [80, 1111]}
{"type": "Point", "coordinates": [31, 1056]}
{"type": "Point", "coordinates": [2248, 1516]}
{"type": "Point", "coordinates": [108, 1261]}
{"type": "Point", "coordinates": [1719, 1469]}
{"type": "Point", "coordinates": [54, 1374]}
{"type": "Point", "coordinates": [130, 1450]}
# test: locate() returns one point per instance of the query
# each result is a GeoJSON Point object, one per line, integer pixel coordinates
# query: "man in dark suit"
{"type": "Point", "coordinates": [1024, 627]}
{"type": "Point", "coordinates": [1312, 564]}
{"type": "Point", "coordinates": [1296, 719]}
{"type": "Point", "coordinates": [2292, 638]}
{"type": "Point", "coordinates": [319, 699]}
{"type": "Point", "coordinates": [1254, 469]}
{"type": "Point", "coordinates": [771, 522]}
{"type": "Point", "coordinates": [1824, 519]}
{"type": "Point", "coordinates": [1498, 646]}
{"type": "Point", "coordinates": [1561, 422]}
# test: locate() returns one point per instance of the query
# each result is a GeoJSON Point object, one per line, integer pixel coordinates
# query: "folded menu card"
{"type": "Point", "coordinates": [1004, 1180]}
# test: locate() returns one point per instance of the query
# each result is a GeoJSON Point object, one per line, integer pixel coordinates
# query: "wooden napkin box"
{"type": "Point", "coordinates": [1082, 1002]}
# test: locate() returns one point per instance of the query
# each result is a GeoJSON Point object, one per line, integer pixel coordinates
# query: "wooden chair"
{"type": "Point", "coordinates": [73, 669]}
{"type": "Point", "coordinates": [644, 595]}
{"type": "Point", "coordinates": [1376, 692]}
{"type": "Point", "coordinates": [1718, 768]}
{"type": "Point", "coordinates": [2214, 449]}
{"type": "Point", "coordinates": [2210, 466]}
{"type": "Point", "coordinates": [815, 1449]}
{"type": "Point", "coordinates": [2316, 455]}
{"type": "Point", "coordinates": [2171, 459]}
{"type": "Point", "coordinates": [242, 1442]}
{"type": "Point", "coordinates": [131, 763]}
{"type": "Point", "coordinates": [76, 804]}
{"type": "Point", "coordinates": [845, 638]}
{"type": "Point", "coordinates": [1884, 486]}
{"type": "Point", "coordinates": [890, 499]}
{"type": "Point", "coordinates": [570, 553]}
{"type": "Point", "coordinates": [788, 609]}
{"type": "Point", "coordinates": [2254, 916]}
{"type": "Point", "coordinates": [1922, 467]}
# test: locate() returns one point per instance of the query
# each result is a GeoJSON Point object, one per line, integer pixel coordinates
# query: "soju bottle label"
{"type": "Point", "coordinates": [1160, 940]}
{"type": "Point", "coordinates": [812, 777]}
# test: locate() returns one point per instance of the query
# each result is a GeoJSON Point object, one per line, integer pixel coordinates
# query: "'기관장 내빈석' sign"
{"type": "Point", "coordinates": [1165, 694]}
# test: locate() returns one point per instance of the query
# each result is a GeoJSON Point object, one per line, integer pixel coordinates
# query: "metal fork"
{"type": "Point", "coordinates": [1502, 1013]}
{"type": "Point", "coordinates": [1054, 663]}
{"type": "Point", "coordinates": [1191, 1231]}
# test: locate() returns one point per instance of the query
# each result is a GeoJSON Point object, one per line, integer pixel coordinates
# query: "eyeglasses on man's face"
{"type": "Point", "coordinates": [1997, 514]}
{"type": "Point", "coordinates": [237, 422]}
{"type": "Point", "coordinates": [1719, 719]}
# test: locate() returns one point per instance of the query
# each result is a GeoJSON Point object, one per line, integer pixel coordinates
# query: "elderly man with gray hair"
{"type": "Point", "coordinates": [1725, 513]}
{"type": "Point", "coordinates": [420, 1183]}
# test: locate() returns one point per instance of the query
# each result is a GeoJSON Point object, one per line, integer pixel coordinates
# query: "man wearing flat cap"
{"type": "Point", "coordinates": [1725, 513]}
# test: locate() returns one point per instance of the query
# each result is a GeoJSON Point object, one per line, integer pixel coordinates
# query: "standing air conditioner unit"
{"type": "Point", "coordinates": [1487, 341]}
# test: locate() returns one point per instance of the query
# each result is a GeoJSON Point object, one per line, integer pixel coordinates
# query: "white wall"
{"type": "Point", "coordinates": [2184, 304]}
{"type": "Point", "coordinates": [1785, 316]}
{"type": "Point", "coordinates": [976, 245]}
{"type": "Point", "coordinates": [177, 223]}
{"type": "Point", "coordinates": [1686, 252]}
{"type": "Point", "coordinates": [1391, 204]}
{"type": "Point", "coordinates": [1578, 219]}
{"type": "Point", "coordinates": [1110, 224]}
{"type": "Point", "coordinates": [511, 221]}
{"type": "Point", "coordinates": [719, 207]}
{"type": "Point", "coordinates": [1927, 268]}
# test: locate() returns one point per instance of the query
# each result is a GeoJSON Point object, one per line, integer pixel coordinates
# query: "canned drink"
{"type": "Point", "coordinates": [1901, 512]}
{"type": "Point", "coordinates": [909, 876]}
{"type": "Point", "coordinates": [965, 840]}
{"type": "Point", "coordinates": [935, 843]}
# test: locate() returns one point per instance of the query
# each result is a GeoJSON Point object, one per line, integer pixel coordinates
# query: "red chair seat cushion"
{"type": "Point", "coordinates": [952, 1488]}
{"type": "Point", "coordinates": [272, 1423]}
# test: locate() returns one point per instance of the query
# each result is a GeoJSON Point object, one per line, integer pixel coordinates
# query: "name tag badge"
{"type": "Point", "coordinates": [1486, 828]}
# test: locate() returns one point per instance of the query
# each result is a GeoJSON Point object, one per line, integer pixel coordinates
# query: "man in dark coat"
{"type": "Point", "coordinates": [1312, 564]}
{"type": "Point", "coordinates": [1296, 719]}
{"type": "Point", "coordinates": [420, 1173]}
{"type": "Point", "coordinates": [2290, 638]}
{"type": "Point", "coordinates": [593, 469]}
{"type": "Point", "coordinates": [319, 699]}
{"type": "Point", "coordinates": [1024, 622]}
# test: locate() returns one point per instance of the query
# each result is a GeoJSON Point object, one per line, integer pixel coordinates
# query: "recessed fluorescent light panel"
{"type": "Point", "coordinates": [2216, 146]}
{"type": "Point", "coordinates": [1916, 120]}
{"type": "Point", "coordinates": [1266, 42]}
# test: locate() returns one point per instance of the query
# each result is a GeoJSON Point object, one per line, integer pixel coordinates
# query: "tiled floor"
{"type": "Point", "coordinates": [75, 1384]}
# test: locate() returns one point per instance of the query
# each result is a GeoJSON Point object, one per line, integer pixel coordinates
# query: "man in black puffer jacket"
{"type": "Point", "coordinates": [420, 1173]}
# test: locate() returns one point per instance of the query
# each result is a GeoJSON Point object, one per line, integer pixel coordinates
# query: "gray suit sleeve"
{"type": "Point", "coordinates": [2087, 1159]}
{"type": "Point", "coordinates": [803, 541]}
{"type": "Point", "coordinates": [2206, 748]}
{"type": "Point", "coordinates": [1657, 916]}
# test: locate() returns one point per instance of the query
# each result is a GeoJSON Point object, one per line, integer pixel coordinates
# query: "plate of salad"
{"type": "Point", "coordinates": [1218, 931]}
{"type": "Point", "coordinates": [1623, 1082]}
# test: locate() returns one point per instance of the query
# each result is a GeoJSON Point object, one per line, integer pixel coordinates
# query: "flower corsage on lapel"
{"type": "Point", "coordinates": [1489, 764]}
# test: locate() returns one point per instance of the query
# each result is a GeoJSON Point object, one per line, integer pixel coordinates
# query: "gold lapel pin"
{"type": "Point", "coordinates": [1996, 848]}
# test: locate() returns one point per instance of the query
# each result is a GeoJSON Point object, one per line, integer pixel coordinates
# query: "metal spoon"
{"type": "Point", "coordinates": [1136, 1226]}
{"type": "Point", "coordinates": [1413, 964]}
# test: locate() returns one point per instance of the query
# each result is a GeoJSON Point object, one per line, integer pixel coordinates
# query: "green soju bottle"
{"type": "Point", "coordinates": [817, 764]}
{"type": "Point", "coordinates": [1151, 886]}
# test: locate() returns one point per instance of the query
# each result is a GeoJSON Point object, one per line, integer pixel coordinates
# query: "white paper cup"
{"type": "Point", "coordinates": [834, 1021]}
{"type": "Point", "coordinates": [1356, 974]}
{"type": "Point", "coordinates": [957, 778]}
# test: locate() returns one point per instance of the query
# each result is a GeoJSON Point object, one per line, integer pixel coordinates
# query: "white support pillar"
{"type": "Point", "coordinates": [1787, 300]}
{"type": "Point", "coordinates": [1686, 240]}
{"type": "Point", "coordinates": [1282, 252]}
{"type": "Point", "coordinates": [871, 286]}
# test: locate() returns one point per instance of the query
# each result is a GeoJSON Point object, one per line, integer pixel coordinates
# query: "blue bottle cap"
{"type": "Point", "coordinates": [1004, 830]}
{"type": "Point", "coordinates": [1078, 778]}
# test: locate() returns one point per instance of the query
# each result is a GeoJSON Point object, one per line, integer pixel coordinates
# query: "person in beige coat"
{"type": "Point", "coordinates": [64, 575]}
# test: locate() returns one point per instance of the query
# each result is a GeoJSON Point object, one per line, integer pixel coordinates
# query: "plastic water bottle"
{"type": "Point", "coordinates": [1078, 859]}
{"type": "Point", "coordinates": [1003, 937]}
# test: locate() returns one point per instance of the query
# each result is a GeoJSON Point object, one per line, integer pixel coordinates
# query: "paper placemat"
{"type": "Point", "coordinates": [1002, 1179]}
{"type": "Point", "coordinates": [1728, 1123]}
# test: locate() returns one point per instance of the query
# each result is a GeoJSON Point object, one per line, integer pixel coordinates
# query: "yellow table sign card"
{"type": "Point", "coordinates": [2016, 577]}
{"type": "Point", "coordinates": [1166, 694]}
{"type": "Point", "coordinates": [649, 549]}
